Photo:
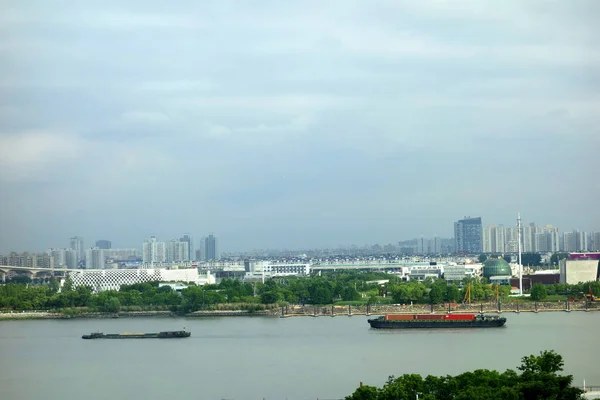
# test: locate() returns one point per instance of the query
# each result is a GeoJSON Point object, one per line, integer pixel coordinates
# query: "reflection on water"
{"type": "Point", "coordinates": [271, 358]}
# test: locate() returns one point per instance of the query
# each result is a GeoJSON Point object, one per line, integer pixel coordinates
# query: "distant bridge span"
{"type": "Point", "coordinates": [32, 272]}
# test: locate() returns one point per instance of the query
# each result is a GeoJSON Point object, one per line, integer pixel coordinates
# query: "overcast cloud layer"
{"type": "Point", "coordinates": [294, 124]}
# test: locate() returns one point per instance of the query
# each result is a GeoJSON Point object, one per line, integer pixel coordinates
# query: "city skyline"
{"type": "Point", "coordinates": [301, 124]}
{"type": "Point", "coordinates": [488, 240]}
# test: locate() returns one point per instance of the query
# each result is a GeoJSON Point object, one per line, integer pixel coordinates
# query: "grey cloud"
{"type": "Point", "coordinates": [294, 124]}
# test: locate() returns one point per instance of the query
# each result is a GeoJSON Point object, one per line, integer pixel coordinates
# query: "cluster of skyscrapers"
{"type": "Point", "coordinates": [471, 238]}
{"type": "Point", "coordinates": [102, 255]}
{"type": "Point", "coordinates": [179, 250]}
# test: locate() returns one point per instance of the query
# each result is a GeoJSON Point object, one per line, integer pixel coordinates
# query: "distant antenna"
{"type": "Point", "coordinates": [519, 246]}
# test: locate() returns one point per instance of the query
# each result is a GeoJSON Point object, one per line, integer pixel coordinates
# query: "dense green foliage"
{"type": "Point", "coordinates": [345, 287]}
{"type": "Point", "coordinates": [538, 292]}
{"type": "Point", "coordinates": [531, 259]}
{"type": "Point", "coordinates": [556, 257]}
{"type": "Point", "coordinates": [538, 379]}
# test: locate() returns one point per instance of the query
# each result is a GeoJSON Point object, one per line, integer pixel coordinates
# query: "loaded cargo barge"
{"type": "Point", "coordinates": [407, 321]}
{"type": "Point", "coordinates": [138, 335]}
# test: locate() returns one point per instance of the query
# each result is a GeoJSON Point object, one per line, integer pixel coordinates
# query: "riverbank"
{"type": "Point", "coordinates": [132, 314]}
{"type": "Point", "coordinates": [316, 311]}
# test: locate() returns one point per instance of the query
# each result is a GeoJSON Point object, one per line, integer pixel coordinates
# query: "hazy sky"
{"type": "Point", "coordinates": [294, 124]}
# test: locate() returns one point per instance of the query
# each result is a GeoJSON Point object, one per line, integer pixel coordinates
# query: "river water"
{"type": "Point", "coordinates": [270, 358]}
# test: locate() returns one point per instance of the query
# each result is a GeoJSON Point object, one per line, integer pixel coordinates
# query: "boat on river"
{"type": "Point", "coordinates": [434, 321]}
{"type": "Point", "coordinates": [138, 335]}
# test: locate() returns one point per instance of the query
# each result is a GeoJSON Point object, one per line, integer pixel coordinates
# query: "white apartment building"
{"type": "Point", "coordinates": [154, 251]}
{"type": "Point", "coordinates": [94, 258]}
{"type": "Point", "coordinates": [177, 251]}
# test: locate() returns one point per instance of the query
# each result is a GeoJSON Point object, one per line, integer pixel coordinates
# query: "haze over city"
{"type": "Point", "coordinates": [280, 124]}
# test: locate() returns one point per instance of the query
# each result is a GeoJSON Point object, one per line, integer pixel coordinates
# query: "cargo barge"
{"type": "Point", "coordinates": [138, 335]}
{"type": "Point", "coordinates": [407, 321]}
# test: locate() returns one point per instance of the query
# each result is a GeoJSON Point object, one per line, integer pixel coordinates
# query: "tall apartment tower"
{"type": "Point", "coordinates": [595, 242]}
{"type": "Point", "coordinates": [486, 238]}
{"type": "Point", "coordinates": [94, 258]}
{"type": "Point", "coordinates": [211, 248]}
{"type": "Point", "coordinates": [467, 234]}
{"type": "Point", "coordinates": [153, 251]}
{"type": "Point", "coordinates": [188, 239]}
{"type": "Point", "coordinates": [76, 244]}
{"type": "Point", "coordinates": [500, 239]}
{"type": "Point", "coordinates": [177, 251]}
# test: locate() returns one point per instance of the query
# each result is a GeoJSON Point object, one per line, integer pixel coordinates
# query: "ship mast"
{"type": "Point", "coordinates": [519, 246]}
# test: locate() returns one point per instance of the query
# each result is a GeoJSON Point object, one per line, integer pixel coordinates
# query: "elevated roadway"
{"type": "Point", "coordinates": [32, 272]}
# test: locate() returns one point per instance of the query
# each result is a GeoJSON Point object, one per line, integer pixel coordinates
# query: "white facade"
{"type": "Point", "coordinates": [455, 272]}
{"type": "Point", "coordinates": [527, 237]}
{"type": "Point", "coordinates": [94, 258]}
{"type": "Point", "coordinates": [76, 244]}
{"type": "Point", "coordinates": [486, 239]}
{"type": "Point", "coordinates": [499, 239]}
{"type": "Point", "coordinates": [511, 240]}
{"type": "Point", "coordinates": [577, 271]}
{"type": "Point", "coordinates": [154, 251]}
{"type": "Point", "coordinates": [120, 254]}
{"type": "Point", "coordinates": [100, 280]}
{"type": "Point", "coordinates": [595, 245]}
{"type": "Point", "coordinates": [177, 251]}
{"type": "Point", "coordinates": [60, 257]}
{"type": "Point", "coordinates": [71, 258]}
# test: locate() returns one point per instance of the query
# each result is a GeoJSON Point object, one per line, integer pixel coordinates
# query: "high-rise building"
{"type": "Point", "coordinates": [595, 242]}
{"type": "Point", "coordinates": [500, 239]}
{"type": "Point", "coordinates": [121, 254]}
{"type": "Point", "coordinates": [154, 251]}
{"type": "Point", "coordinates": [211, 248]}
{"type": "Point", "coordinates": [59, 256]}
{"type": "Point", "coordinates": [569, 241]}
{"type": "Point", "coordinates": [76, 244]}
{"type": "Point", "coordinates": [103, 244]}
{"type": "Point", "coordinates": [177, 251]}
{"type": "Point", "coordinates": [188, 239]}
{"type": "Point", "coordinates": [528, 237]}
{"type": "Point", "coordinates": [512, 240]}
{"type": "Point", "coordinates": [71, 259]}
{"type": "Point", "coordinates": [94, 258]}
{"type": "Point", "coordinates": [467, 234]}
{"type": "Point", "coordinates": [486, 238]}
{"type": "Point", "coordinates": [581, 240]}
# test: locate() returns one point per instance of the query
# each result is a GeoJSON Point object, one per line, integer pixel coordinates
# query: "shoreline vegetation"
{"type": "Point", "coordinates": [288, 311]}
{"type": "Point", "coordinates": [538, 377]}
{"type": "Point", "coordinates": [332, 294]}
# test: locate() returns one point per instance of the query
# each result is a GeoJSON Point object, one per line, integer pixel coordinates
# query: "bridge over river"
{"type": "Point", "coordinates": [33, 273]}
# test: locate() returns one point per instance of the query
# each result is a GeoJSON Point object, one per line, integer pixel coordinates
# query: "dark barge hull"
{"type": "Point", "coordinates": [159, 335]}
{"type": "Point", "coordinates": [380, 323]}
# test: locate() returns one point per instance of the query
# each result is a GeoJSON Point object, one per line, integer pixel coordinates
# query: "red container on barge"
{"type": "Point", "coordinates": [428, 321]}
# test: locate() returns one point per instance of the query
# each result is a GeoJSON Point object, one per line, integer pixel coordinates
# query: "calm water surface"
{"type": "Point", "coordinates": [270, 358]}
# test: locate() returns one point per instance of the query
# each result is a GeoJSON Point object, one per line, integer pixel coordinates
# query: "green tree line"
{"type": "Point", "coordinates": [318, 290]}
{"type": "Point", "coordinates": [538, 378]}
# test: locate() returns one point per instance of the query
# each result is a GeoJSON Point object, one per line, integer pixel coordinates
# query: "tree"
{"type": "Point", "coordinates": [548, 362]}
{"type": "Point", "coordinates": [452, 293]}
{"type": "Point", "coordinates": [482, 258]}
{"type": "Point", "coordinates": [539, 379]}
{"type": "Point", "coordinates": [531, 259]}
{"type": "Point", "coordinates": [53, 285]}
{"type": "Point", "coordinates": [556, 257]}
{"type": "Point", "coordinates": [436, 294]}
{"type": "Point", "coordinates": [538, 292]}
{"type": "Point", "coordinates": [68, 284]}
